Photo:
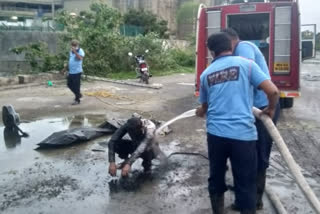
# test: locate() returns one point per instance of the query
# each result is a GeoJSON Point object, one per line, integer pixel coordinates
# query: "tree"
{"type": "Point", "coordinates": [39, 58]}
{"type": "Point", "coordinates": [187, 12]}
{"type": "Point", "coordinates": [106, 49]}
{"type": "Point", "coordinates": [98, 33]}
{"type": "Point", "coordinates": [186, 18]}
{"type": "Point", "coordinates": [307, 34]}
{"type": "Point", "coordinates": [148, 21]}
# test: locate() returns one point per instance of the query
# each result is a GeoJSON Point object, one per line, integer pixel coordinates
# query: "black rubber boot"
{"type": "Point", "coordinates": [147, 166]}
{"type": "Point", "coordinates": [235, 207]}
{"type": "Point", "coordinates": [217, 203]}
{"type": "Point", "coordinates": [261, 183]}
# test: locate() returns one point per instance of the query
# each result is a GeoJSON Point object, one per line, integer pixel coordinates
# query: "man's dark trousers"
{"type": "Point", "coordinates": [243, 157]}
{"type": "Point", "coordinates": [74, 85]}
{"type": "Point", "coordinates": [124, 148]}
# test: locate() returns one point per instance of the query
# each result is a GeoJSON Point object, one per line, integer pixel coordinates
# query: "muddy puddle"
{"type": "Point", "coordinates": [49, 181]}
{"type": "Point", "coordinates": [14, 149]}
{"type": "Point", "coordinates": [75, 179]}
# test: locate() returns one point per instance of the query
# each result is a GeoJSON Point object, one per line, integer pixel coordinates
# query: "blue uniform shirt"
{"type": "Point", "coordinates": [75, 64]}
{"type": "Point", "coordinates": [227, 87]}
{"type": "Point", "coordinates": [251, 51]}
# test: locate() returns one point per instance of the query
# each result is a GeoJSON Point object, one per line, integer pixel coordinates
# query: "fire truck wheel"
{"type": "Point", "coordinates": [286, 102]}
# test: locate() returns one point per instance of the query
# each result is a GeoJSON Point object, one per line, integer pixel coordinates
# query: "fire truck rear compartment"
{"type": "Point", "coordinates": [254, 28]}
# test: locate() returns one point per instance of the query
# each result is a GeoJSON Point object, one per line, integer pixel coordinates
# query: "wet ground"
{"type": "Point", "coordinates": [75, 179]}
{"type": "Point", "coordinates": [299, 126]}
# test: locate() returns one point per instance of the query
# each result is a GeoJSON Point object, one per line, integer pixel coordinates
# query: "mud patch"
{"type": "Point", "coordinates": [35, 99]}
{"type": "Point", "coordinates": [301, 139]}
{"type": "Point", "coordinates": [26, 190]}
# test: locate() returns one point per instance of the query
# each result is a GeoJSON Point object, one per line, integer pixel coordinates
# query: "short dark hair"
{"type": "Point", "coordinates": [218, 43]}
{"type": "Point", "coordinates": [134, 123]}
{"type": "Point", "coordinates": [74, 42]}
{"type": "Point", "coordinates": [231, 33]}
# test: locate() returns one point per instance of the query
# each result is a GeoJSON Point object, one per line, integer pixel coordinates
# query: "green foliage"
{"type": "Point", "coordinates": [307, 34]}
{"type": "Point", "coordinates": [157, 58]}
{"type": "Point", "coordinates": [187, 13]}
{"type": "Point", "coordinates": [183, 57]}
{"type": "Point", "coordinates": [131, 30]}
{"type": "Point", "coordinates": [192, 39]}
{"type": "Point", "coordinates": [39, 58]}
{"type": "Point", "coordinates": [106, 50]}
{"type": "Point", "coordinates": [148, 21]}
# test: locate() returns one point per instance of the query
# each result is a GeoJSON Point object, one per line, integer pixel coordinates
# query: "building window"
{"type": "Point", "coordinates": [130, 3]}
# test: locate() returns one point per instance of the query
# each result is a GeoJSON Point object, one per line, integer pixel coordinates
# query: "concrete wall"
{"type": "Point", "coordinates": [174, 43]}
{"type": "Point", "coordinates": [10, 62]}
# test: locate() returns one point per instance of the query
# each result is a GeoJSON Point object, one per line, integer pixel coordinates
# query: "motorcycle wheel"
{"type": "Point", "coordinates": [145, 78]}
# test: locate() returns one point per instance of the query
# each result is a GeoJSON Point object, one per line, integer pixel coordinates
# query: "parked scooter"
{"type": "Point", "coordinates": [142, 68]}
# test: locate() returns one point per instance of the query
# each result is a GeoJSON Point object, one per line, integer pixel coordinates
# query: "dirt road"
{"type": "Point", "coordinates": [75, 179]}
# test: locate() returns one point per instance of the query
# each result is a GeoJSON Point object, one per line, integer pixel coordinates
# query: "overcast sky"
{"type": "Point", "coordinates": [310, 12]}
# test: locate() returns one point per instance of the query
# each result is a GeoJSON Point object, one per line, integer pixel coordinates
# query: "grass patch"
{"type": "Point", "coordinates": [155, 73]}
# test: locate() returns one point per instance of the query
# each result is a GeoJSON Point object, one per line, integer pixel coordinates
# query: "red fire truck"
{"type": "Point", "coordinates": [273, 26]}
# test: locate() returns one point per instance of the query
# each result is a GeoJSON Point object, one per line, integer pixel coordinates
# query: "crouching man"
{"type": "Point", "coordinates": [142, 145]}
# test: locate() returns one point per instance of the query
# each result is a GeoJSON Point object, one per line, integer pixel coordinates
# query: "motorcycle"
{"type": "Point", "coordinates": [142, 68]}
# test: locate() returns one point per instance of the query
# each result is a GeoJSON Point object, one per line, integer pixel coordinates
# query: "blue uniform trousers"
{"type": "Point", "coordinates": [243, 158]}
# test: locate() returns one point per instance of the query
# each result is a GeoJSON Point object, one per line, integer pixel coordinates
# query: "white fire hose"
{"type": "Point", "coordinates": [293, 166]}
{"type": "Point", "coordinates": [284, 151]}
{"type": "Point", "coordinates": [275, 201]}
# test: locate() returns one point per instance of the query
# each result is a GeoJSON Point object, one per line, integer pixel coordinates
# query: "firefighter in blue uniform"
{"type": "Point", "coordinates": [226, 97]}
{"type": "Point", "coordinates": [264, 143]}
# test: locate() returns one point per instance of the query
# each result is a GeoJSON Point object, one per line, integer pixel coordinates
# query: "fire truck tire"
{"type": "Point", "coordinates": [286, 102]}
